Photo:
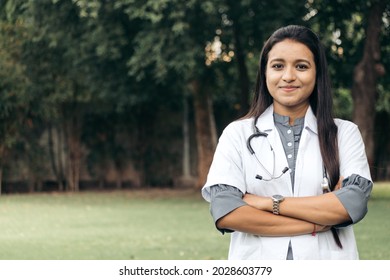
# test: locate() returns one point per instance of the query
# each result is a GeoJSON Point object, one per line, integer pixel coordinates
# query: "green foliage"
{"type": "Point", "coordinates": [343, 34]}
{"type": "Point", "coordinates": [383, 99]}
{"type": "Point", "coordinates": [170, 28]}
{"type": "Point", "coordinates": [14, 98]}
{"type": "Point", "coordinates": [343, 103]}
{"type": "Point", "coordinates": [120, 66]}
{"type": "Point", "coordinates": [383, 103]}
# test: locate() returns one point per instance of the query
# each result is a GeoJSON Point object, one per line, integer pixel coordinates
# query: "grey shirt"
{"type": "Point", "coordinates": [290, 135]}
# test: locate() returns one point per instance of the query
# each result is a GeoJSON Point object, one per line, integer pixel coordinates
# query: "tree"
{"type": "Point", "coordinates": [57, 43]}
{"type": "Point", "coordinates": [366, 74]}
{"type": "Point", "coordinates": [169, 28]}
{"type": "Point", "coordinates": [14, 98]}
{"type": "Point", "coordinates": [208, 35]}
{"type": "Point", "coordinates": [244, 27]}
{"type": "Point", "coordinates": [77, 62]}
{"type": "Point", "coordinates": [354, 32]}
{"type": "Point", "coordinates": [106, 80]}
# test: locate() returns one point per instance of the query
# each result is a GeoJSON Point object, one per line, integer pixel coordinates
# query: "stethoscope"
{"type": "Point", "coordinates": [257, 133]}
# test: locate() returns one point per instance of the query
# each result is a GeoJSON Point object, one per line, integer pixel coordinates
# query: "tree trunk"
{"type": "Point", "coordinates": [73, 136]}
{"type": "Point", "coordinates": [55, 153]}
{"type": "Point", "coordinates": [242, 69]}
{"type": "Point", "coordinates": [74, 154]}
{"type": "Point", "coordinates": [186, 140]}
{"type": "Point", "coordinates": [366, 73]}
{"type": "Point", "coordinates": [186, 180]}
{"type": "Point", "coordinates": [382, 146]}
{"type": "Point", "coordinates": [1, 179]}
{"type": "Point", "coordinates": [2, 156]}
{"type": "Point", "coordinates": [206, 134]}
{"type": "Point", "coordinates": [61, 157]}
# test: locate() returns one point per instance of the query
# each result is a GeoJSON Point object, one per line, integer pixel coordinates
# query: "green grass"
{"type": "Point", "coordinates": [151, 224]}
{"type": "Point", "coordinates": [109, 225]}
{"type": "Point", "coordinates": [373, 232]}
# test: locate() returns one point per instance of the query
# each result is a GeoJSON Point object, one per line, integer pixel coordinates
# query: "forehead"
{"type": "Point", "coordinates": [290, 50]}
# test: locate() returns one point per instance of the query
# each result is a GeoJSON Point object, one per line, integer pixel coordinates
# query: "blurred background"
{"type": "Point", "coordinates": [121, 94]}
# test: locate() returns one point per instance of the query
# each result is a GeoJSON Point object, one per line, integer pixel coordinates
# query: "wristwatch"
{"type": "Point", "coordinates": [276, 199]}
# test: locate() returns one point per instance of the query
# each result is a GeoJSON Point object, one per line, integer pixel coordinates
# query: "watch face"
{"type": "Point", "coordinates": [278, 197]}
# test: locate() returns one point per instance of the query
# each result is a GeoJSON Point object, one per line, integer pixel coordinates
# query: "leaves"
{"type": "Point", "coordinates": [133, 59]}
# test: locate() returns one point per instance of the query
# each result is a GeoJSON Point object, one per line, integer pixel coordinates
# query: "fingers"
{"type": "Point", "coordinates": [339, 183]}
{"type": "Point", "coordinates": [256, 201]}
{"type": "Point", "coordinates": [322, 228]}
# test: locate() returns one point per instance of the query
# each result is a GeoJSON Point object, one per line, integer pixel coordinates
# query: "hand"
{"type": "Point", "coordinates": [322, 228]}
{"type": "Point", "coordinates": [339, 184]}
{"type": "Point", "coordinates": [259, 202]}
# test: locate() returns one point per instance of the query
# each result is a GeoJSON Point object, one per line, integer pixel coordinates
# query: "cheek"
{"type": "Point", "coordinates": [270, 85]}
{"type": "Point", "coordinates": [309, 81]}
{"type": "Point", "coordinates": [312, 84]}
{"type": "Point", "coordinates": [271, 79]}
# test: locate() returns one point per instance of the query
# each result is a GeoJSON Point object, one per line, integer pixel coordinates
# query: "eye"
{"type": "Point", "coordinates": [302, 66]}
{"type": "Point", "coordinates": [277, 66]}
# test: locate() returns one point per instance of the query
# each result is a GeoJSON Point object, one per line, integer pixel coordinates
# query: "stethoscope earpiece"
{"type": "Point", "coordinates": [272, 177]}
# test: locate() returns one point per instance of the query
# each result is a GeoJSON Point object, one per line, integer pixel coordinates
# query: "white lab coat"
{"type": "Point", "coordinates": [234, 165]}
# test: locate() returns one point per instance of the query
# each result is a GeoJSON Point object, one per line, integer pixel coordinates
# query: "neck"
{"type": "Point", "coordinates": [292, 112]}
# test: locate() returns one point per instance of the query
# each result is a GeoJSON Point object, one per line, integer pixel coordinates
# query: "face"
{"type": "Point", "coordinates": [290, 77]}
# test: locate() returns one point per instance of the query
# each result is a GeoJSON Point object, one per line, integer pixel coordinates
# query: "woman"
{"type": "Point", "coordinates": [289, 181]}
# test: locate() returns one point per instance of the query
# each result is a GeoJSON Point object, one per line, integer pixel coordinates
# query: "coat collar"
{"type": "Point", "coordinates": [311, 121]}
{"type": "Point", "coordinates": [267, 120]}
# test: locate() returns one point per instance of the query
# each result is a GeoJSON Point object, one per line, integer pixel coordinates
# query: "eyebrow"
{"type": "Point", "coordinates": [296, 61]}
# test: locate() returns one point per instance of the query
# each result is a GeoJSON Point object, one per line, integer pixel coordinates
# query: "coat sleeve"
{"type": "Point", "coordinates": [353, 159]}
{"type": "Point", "coordinates": [224, 199]}
{"type": "Point", "coordinates": [227, 166]}
{"type": "Point", "coordinates": [354, 196]}
{"type": "Point", "coordinates": [354, 168]}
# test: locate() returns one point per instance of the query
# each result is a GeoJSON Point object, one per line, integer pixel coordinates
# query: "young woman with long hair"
{"type": "Point", "coordinates": [288, 181]}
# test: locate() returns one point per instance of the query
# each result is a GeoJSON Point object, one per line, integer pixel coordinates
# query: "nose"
{"type": "Point", "coordinates": [289, 74]}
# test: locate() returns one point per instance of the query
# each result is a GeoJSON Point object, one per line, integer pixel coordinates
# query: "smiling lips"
{"type": "Point", "coordinates": [289, 88]}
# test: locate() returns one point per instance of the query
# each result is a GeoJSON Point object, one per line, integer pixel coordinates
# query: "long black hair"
{"type": "Point", "coordinates": [320, 100]}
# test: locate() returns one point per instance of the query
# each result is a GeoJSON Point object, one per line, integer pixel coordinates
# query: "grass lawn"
{"type": "Point", "coordinates": [157, 224]}
{"type": "Point", "coordinates": [373, 232]}
{"type": "Point", "coordinates": [151, 224]}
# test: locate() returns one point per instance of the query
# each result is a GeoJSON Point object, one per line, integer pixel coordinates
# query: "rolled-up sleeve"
{"type": "Point", "coordinates": [354, 195]}
{"type": "Point", "coordinates": [224, 199]}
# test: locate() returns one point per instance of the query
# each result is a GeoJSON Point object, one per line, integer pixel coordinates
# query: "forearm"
{"type": "Point", "coordinates": [251, 220]}
{"type": "Point", "coordinates": [323, 209]}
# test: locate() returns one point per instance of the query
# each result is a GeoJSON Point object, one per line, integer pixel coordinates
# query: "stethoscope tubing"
{"type": "Point", "coordinates": [258, 133]}
{"type": "Point", "coordinates": [254, 135]}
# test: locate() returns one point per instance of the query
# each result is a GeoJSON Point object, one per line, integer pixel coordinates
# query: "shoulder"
{"type": "Point", "coordinates": [236, 132]}
{"type": "Point", "coordinates": [345, 126]}
{"type": "Point", "coordinates": [348, 134]}
{"type": "Point", "coordinates": [239, 126]}
{"type": "Point", "coordinates": [344, 123]}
